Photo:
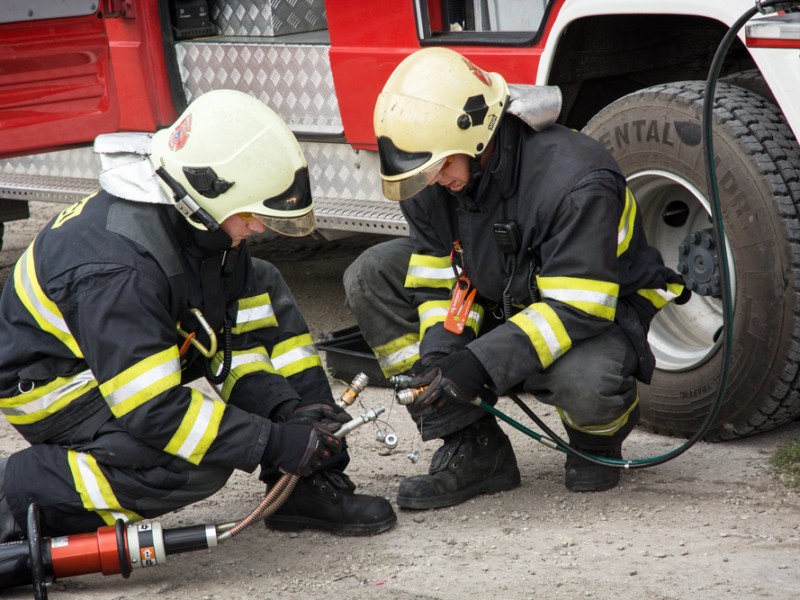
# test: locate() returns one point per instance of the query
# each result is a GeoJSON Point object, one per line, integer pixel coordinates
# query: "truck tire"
{"type": "Point", "coordinates": [751, 80]}
{"type": "Point", "coordinates": [655, 136]}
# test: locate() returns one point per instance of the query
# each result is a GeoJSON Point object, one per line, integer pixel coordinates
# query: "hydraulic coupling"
{"type": "Point", "coordinates": [348, 397]}
{"type": "Point", "coordinates": [353, 390]}
{"type": "Point", "coordinates": [405, 395]}
{"type": "Point", "coordinates": [371, 415]}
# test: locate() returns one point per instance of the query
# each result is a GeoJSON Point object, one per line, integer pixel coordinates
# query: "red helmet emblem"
{"type": "Point", "coordinates": [479, 73]}
{"type": "Point", "coordinates": [178, 138]}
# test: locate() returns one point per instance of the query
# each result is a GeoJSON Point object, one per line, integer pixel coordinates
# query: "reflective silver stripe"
{"type": "Point", "coordinates": [475, 318]}
{"type": "Point", "coordinates": [265, 311]}
{"type": "Point", "coordinates": [548, 335]}
{"type": "Point", "coordinates": [667, 295]}
{"type": "Point", "coordinates": [282, 361]}
{"type": "Point", "coordinates": [625, 220]}
{"type": "Point", "coordinates": [27, 279]}
{"type": "Point", "coordinates": [93, 487]}
{"type": "Point", "coordinates": [438, 313]}
{"type": "Point", "coordinates": [44, 402]}
{"type": "Point", "coordinates": [199, 427]}
{"type": "Point", "coordinates": [421, 272]}
{"type": "Point", "coordinates": [400, 356]}
{"type": "Point", "coordinates": [567, 295]}
{"type": "Point", "coordinates": [142, 382]}
{"type": "Point", "coordinates": [237, 360]}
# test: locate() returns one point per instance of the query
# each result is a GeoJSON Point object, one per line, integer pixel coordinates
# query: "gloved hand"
{"type": "Point", "coordinates": [299, 448]}
{"type": "Point", "coordinates": [426, 362]}
{"type": "Point", "coordinates": [330, 416]}
{"type": "Point", "coordinates": [459, 376]}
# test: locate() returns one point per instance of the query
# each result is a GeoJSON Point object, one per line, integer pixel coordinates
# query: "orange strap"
{"type": "Point", "coordinates": [186, 343]}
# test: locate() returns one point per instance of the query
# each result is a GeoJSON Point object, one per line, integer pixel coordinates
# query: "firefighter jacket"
{"type": "Point", "coordinates": [89, 329]}
{"type": "Point", "coordinates": [580, 261]}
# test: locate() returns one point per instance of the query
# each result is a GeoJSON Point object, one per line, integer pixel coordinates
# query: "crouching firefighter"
{"type": "Point", "coordinates": [526, 268]}
{"type": "Point", "coordinates": [122, 300]}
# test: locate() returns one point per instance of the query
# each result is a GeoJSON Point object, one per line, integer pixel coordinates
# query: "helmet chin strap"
{"type": "Point", "coordinates": [476, 166]}
{"type": "Point", "coordinates": [185, 204]}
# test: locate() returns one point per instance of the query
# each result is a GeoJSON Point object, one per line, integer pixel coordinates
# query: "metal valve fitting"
{"type": "Point", "coordinates": [351, 392]}
{"type": "Point", "coordinates": [371, 415]}
{"type": "Point", "coordinates": [408, 395]}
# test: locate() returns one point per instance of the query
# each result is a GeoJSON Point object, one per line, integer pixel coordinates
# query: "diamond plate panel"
{"type": "Point", "coordinates": [293, 79]}
{"type": "Point", "coordinates": [345, 185]}
{"type": "Point", "coordinates": [261, 18]}
{"type": "Point", "coordinates": [81, 163]}
{"type": "Point", "coordinates": [339, 171]}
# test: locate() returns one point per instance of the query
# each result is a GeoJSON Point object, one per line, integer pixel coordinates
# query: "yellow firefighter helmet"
{"type": "Point", "coordinates": [435, 104]}
{"type": "Point", "coordinates": [233, 154]}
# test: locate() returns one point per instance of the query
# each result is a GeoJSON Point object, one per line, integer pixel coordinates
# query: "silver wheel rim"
{"type": "Point", "coordinates": [681, 337]}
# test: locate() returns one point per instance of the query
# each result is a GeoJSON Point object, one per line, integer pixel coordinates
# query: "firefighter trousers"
{"type": "Point", "coordinates": [593, 385]}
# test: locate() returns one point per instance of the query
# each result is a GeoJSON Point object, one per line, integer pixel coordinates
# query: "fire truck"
{"type": "Point", "coordinates": [631, 73]}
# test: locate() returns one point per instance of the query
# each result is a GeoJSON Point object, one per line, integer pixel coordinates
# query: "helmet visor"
{"type": "Point", "coordinates": [289, 213]}
{"type": "Point", "coordinates": [290, 226]}
{"type": "Point", "coordinates": [402, 189]}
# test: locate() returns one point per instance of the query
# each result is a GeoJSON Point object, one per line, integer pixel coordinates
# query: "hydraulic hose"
{"type": "Point", "coordinates": [554, 441]}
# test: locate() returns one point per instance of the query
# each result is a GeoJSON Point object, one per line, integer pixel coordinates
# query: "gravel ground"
{"type": "Point", "coordinates": [713, 523]}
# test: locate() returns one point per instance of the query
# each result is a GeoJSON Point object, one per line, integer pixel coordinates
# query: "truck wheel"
{"type": "Point", "coordinates": [655, 135]}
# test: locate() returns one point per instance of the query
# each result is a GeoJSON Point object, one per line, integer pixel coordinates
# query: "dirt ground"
{"type": "Point", "coordinates": [713, 523]}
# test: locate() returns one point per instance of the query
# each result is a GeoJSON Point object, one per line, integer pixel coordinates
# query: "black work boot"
{"type": "Point", "coordinates": [476, 460]}
{"type": "Point", "coordinates": [584, 476]}
{"type": "Point", "coordinates": [327, 500]}
{"type": "Point", "coordinates": [10, 531]}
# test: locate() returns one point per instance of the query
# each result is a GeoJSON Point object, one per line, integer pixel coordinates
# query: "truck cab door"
{"type": "Point", "coordinates": [56, 81]}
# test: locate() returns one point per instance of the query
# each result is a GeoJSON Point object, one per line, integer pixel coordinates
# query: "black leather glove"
{"type": "Point", "coordinates": [330, 416]}
{"type": "Point", "coordinates": [299, 448]}
{"type": "Point", "coordinates": [459, 376]}
{"type": "Point", "coordinates": [426, 362]}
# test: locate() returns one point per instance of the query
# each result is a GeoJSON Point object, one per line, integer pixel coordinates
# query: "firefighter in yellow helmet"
{"type": "Point", "coordinates": [526, 268]}
{"type": "Point", "coordinates": [122, 300]}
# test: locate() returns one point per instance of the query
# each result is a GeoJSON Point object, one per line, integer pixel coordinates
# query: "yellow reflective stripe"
{"type": "Point", "coordinates": [430, 313]}
{"type": "Point", "coordinates": [660, 298]}
{"type": "Point", "coordinates": [475, 318]}
{"type": "Point", "coordinates": [430, 272]}
{"type": "Point", "coordinates": [46, 400]}
{"type": "Point", "coordinates": [597, 298]}
{"type": "Point", "coordinates": [435, 311]}
{"type": "Point", "coordinates": [254, 313]}
{"type": "Point", "coordinates": [41, 308]}
{"type": "Point", "coordinates": [625, 227]}
{"type": "Point", "coordinates": [243, 362]}
{"type": "Point", "coordinates": [198, 429]}
{"type": "Point", "coordinates": [95, 491]}
{"type": "Point", "coordinates": [294, 355]}
{"type": "Point", "coordinates": [605, 429]}
{"type": "Point", "coordinates": [143, 381]}
{"type": "Point", "coordinates": [399, 355]}
{"type": "Point", "coordinates": [545, 330]}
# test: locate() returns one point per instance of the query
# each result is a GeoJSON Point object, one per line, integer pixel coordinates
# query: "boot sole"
{"type": "Point", "coordinates": [357, 529]}
{"type": "Point", "coordinates": [601, 486]}
{"type": "Point", "coordinates": [498, 483]}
